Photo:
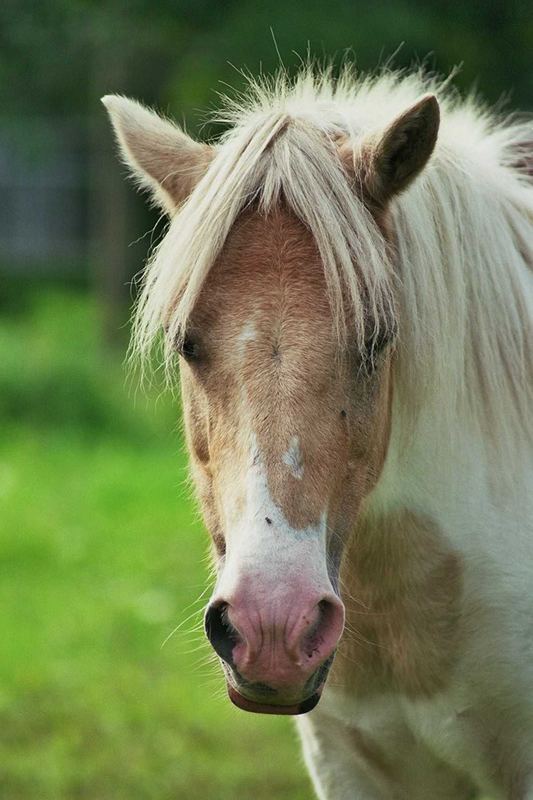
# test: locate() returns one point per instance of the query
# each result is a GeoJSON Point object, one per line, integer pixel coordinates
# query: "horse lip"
{"type": "Point", "coordinates": [268, 708]}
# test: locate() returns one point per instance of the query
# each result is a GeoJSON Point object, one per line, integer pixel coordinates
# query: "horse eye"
{"type": "Point", "coordinates": [189, 349]}
{"type": "Point", "coordinates": [374, 346]}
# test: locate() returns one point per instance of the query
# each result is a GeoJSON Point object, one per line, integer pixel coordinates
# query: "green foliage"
{"type": "Point", "coordinates": [53, 373]}
{"type": "Point", "coordinates": [60, 55]}
{"type": "Point", "coordinates": [101, 555]}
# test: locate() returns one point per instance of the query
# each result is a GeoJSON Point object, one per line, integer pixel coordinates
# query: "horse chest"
{"type": "Point", "coordinates": [425, 748]}
{"type": "Point", "coordinates": [402, 589]}
{"type": "Point", "coordinates": [396, 676]}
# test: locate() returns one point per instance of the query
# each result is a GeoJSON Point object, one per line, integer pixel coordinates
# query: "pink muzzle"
{"type": "Point", "coordinates": [277, 648]}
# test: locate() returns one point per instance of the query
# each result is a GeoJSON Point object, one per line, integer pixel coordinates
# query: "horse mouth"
{"type": "Point", "coordinates": [245, 704]}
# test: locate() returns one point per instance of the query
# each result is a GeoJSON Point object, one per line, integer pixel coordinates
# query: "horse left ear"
{"type": "Point", "coordinates": [391, 161]}
{"type": "Point", "coordinates": [162, 157]}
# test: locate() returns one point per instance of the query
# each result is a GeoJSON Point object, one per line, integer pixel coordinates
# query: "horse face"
{"type": "Point", "coordinates": [287, 430]}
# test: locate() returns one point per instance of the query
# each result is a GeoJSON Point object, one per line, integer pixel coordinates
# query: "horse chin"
{"type": "Point", "coordinates": [245, 704]}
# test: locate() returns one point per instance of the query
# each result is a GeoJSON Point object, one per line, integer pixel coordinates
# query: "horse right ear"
{"type": "Point", "coordinates": [161, 157]}
{"type": "Point", "coordinates": [388, 161]}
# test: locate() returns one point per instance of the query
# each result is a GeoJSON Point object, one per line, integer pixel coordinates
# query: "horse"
{"type": "Point", "coordinates": [346, 284]}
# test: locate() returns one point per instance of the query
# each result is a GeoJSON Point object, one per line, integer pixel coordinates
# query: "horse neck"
{"type": "Point", "coordinates": [454, 479]}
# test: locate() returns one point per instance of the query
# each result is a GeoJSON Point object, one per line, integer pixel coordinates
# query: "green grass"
{"type": "Point", "coordinates": [101, 555]}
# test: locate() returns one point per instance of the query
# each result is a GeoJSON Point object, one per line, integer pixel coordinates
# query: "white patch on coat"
{"type": "Point", "coordinates": [248, 333]}
{"type": "Point", "coordinates": [293, 459]}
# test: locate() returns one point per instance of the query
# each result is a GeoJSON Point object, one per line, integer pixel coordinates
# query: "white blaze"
{"type": "Point", "coordinates": [262, 545]}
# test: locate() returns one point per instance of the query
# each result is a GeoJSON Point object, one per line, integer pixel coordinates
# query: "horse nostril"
{"type": "Point", "coordinates": [220, 631]}
{"type": "Point", "coordinates": [322, 637]}
{"type": "Point", "coordinates": [327, 612]}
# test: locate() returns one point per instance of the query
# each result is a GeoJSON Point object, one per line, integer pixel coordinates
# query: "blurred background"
{"type": "Point", "coordinates": [101, 550]}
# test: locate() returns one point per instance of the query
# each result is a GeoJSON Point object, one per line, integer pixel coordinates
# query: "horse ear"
{"type": "Point", "coordinates": [390, 161]}
{"type": "Point", "coordinates": [162, 158]}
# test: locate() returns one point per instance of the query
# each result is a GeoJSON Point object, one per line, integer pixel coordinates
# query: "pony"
{"type": "Point", "coordinates": [346, 284]}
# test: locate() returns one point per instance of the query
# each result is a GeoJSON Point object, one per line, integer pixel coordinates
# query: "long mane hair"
{"type": "Point", "coordinates": [458, 279]}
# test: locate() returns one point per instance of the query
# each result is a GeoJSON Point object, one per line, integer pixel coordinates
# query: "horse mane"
{"type": "Point", "coordinates": [459, 281]}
